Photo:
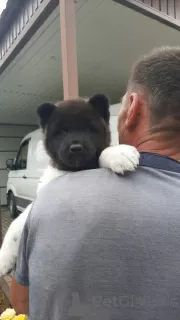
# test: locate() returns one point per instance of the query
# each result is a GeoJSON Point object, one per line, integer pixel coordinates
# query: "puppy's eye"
{"type": "Point", "coordinates": [61, 133]}
{"type": "Point", "coordinates": [92, 130]}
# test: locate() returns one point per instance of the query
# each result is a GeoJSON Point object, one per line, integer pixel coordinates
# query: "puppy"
{"type": "Point", "coordinates": [76, 132]}
{"type": "Point", "coordinates": [76, 137]}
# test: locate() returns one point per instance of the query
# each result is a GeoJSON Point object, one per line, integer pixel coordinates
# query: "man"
{"type": "Point", "coordinates": [110, 249]}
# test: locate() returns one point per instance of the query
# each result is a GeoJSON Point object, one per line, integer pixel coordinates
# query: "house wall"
{"type": "Point", "coordinates": [114, 111]}
{"type": "Point", "coordinates": [10, 138]}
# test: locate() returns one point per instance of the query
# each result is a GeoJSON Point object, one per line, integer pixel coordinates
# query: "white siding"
{"type": "Point", "coordinates": [113, 127]}
{"type": "Point", "coordinates": [114, 111]}
{"type": "Point", "coordinates": [9, 144]}
{"type": "Point", "coordinates": [10, 138]}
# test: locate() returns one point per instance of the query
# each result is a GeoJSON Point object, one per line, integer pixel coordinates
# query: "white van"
{"type": "Point", "coordinates": [25, 171]}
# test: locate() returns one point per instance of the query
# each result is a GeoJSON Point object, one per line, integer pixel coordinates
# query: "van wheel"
{"type": "Point", "coordinates": [12, 206]}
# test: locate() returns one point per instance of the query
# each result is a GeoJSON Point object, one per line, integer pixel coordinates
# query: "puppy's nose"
{"type": "Point", "coordinates": [76, 147]}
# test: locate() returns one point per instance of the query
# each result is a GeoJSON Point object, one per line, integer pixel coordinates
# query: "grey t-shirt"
{"type": "Point", "coordinates": [98, 246]}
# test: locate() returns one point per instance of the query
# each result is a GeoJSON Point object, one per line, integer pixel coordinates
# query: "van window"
{"type": "Point", "coordinates": [21, 161]}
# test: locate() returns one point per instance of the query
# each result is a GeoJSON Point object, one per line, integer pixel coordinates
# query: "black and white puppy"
{"type": "Point", "coordinates": [76, 132]}
{"type": "Point", "coordinates": [76, 137]}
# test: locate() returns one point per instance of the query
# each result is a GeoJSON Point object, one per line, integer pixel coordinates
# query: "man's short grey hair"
{"type": "Point", "coordinates": [158, 74]}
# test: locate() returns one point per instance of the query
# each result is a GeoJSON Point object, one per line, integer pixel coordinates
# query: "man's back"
{"type": "Point", "coordinates": [105, 246]}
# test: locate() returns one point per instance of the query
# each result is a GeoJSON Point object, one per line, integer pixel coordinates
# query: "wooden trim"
{"type": "Point", "coordinates": [68, 48]}
{"type": "Point", "coordinates": [150, 12]}
{"type": "Point", "coordinates": [9, 13]}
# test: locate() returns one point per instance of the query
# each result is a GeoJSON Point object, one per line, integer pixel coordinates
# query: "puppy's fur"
{"type": "Point", "coordinates": [76, 132]}
{"type": "Point", "coordinates": [77, 137]}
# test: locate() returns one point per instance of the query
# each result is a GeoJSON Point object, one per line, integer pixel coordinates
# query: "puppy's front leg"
{"type": "Point", "coordinates": [10, 246]}
{"type": "Point", "coordinates": [120, 158]}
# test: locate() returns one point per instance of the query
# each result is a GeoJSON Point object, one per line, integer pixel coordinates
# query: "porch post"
{"type": "Point", "coordinates": [68, 48]}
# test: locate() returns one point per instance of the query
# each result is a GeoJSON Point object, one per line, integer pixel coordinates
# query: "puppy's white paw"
{"type": "Point", "coordinates": [120, 158]}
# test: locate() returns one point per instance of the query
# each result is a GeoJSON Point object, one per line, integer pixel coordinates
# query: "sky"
{"type": "Point", "coordinates": [2, 5]}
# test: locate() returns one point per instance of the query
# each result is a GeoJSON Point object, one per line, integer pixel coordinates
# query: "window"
{"type": "Point", "coordinates": [21, 161]}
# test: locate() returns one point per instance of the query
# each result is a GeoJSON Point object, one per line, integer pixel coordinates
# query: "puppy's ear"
{"type": "Point", "coordinates": [44, 112]}
{"type": "Point", "coordinates": [101, 103]}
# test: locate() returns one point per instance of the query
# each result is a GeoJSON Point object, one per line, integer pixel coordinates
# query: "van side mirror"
{"type": "Point", "coordinates": [10, 164]}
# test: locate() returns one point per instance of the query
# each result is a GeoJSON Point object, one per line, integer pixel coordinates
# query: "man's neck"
{"type": "Point", "coordinates": [166, 148]}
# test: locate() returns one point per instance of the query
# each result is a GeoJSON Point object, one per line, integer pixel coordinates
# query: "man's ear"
{"type": "Point", "coordinates": [101, 103]}
{"type": "Point", "coordinates": [134, 111]}
{"type": "Point", "coordinates": [44, 112]}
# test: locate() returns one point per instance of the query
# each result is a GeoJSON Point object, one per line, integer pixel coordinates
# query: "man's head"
{"type": "Point", "coordinates": [76, 131]}
{"type": "Point", "coordinates": [151, 105]}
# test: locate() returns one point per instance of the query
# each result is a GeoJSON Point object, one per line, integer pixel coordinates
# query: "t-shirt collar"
{"type": "Point", "coordinates": [158, 161]}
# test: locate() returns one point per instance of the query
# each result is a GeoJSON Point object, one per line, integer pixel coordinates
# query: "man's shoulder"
{"type": "Point", "coordinates": [86, 183]}
{"type": "Point", "coordinates": [100, 172]}
{"type": "Point", "coordinates": [72, 182]}
{"type": "Point", "coordinates": [102, 190]}
{"type": "Point", "coordinates": [86, 176]}
{"type": "Point", "coordinates": [95, 177]}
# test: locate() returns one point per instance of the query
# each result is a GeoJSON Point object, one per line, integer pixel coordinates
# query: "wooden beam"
{"type": "Point", "coordinates": [68, 48]}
